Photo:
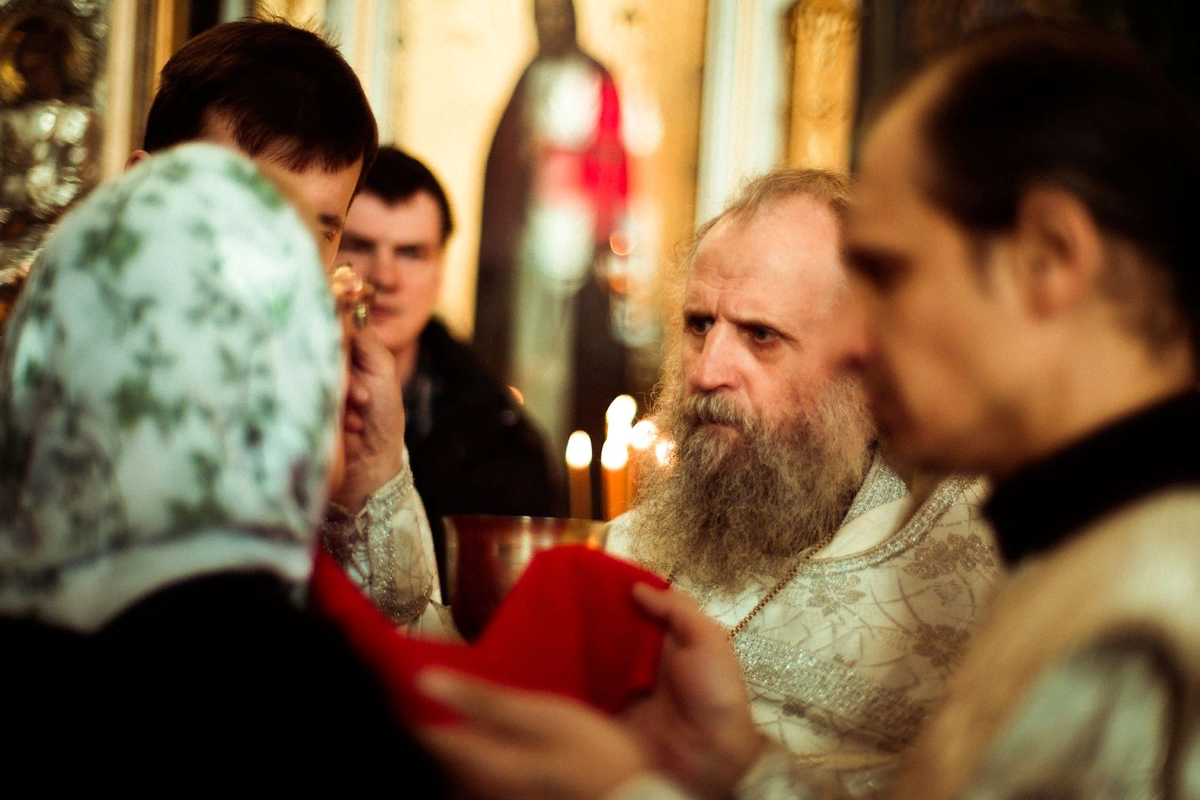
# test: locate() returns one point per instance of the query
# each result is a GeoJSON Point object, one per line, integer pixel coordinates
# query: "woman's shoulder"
{"type": "Point", "coordinates": [231, 665]}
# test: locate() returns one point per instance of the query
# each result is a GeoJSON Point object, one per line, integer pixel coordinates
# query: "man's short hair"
{"type": "Point", "coordinates": [1086, 113]}
{"type": "Point", "coordinates": [280, 88]}
{"type": "Point", "coordinates": [768, 190]}
{"type": "Point", "coordinates": [396, 176]}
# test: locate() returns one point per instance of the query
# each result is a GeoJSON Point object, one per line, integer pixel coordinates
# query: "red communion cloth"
{"type": "Point", "coordinates": [569, 626]}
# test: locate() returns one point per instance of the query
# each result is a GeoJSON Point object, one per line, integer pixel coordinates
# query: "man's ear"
{"type": "Point", "coordinates": [135, 158]}
{"type": "Point", "coordinates": [1059, 250]}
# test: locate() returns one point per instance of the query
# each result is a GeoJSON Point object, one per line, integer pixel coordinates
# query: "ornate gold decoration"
{"type": "Point", "coordinates": [49, 135]}
{"type": "Point", "coordinates": [73, 30]}
{"type": "Point", "coordinates": [824, 77]}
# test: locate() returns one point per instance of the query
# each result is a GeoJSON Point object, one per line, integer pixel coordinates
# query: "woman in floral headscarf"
{"type": "Point", "coordinates": [168, 411]}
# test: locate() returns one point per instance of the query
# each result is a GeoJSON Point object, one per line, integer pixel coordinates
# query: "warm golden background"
{"type": "Point", "coordinates": [713, 91]}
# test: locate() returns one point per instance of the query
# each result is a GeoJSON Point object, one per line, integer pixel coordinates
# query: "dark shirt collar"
{"type": "Point", "coordinates": [1045, 503]}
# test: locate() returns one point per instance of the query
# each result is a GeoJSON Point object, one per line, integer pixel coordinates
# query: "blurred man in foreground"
{"type": "Point", "coordinates": [1026, 276]}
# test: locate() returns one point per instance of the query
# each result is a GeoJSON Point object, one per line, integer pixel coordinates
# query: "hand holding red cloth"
{"type": "Point", "coordinates": [569, 626]}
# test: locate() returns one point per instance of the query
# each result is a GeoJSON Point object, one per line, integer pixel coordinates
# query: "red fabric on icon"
{"type": "Point", "coordinates": [570, 626]}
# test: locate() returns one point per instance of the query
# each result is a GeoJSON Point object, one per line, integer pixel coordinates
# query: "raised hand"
{"type": "Point", "coordinates": [527, 745]}
{"type": "Point", "coordinates": [696, 725]}
{"type": "Point", "coordinates": [373, 426]}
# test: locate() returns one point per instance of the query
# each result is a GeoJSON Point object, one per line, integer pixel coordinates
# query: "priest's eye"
{"type": "Point", "coordinates": [762, 334]}
{"type": "Point", "coordinates": [697, 325]}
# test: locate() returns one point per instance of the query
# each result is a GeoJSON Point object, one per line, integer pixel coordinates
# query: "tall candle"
{"type": "Point", "coordinates": [579, 473]}
{"type": "Point", "coordinates": [614, 460]}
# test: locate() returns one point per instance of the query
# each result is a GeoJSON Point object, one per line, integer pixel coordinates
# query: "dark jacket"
{"type": "Point", "coordinates": [473, 450]}
{"type": "Point", "coordinates": [218, 681]}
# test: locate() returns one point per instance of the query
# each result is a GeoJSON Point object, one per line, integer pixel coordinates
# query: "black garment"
{"type": "Point", "coordinates": [472, 449]}
{"type": "Point", "coordinates": [220, 681]}
{"type": "Point", "coordinates": [1045, 503]}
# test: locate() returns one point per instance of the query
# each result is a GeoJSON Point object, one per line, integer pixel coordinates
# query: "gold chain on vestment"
{"type": "Point", "coordinates": [801, 560]}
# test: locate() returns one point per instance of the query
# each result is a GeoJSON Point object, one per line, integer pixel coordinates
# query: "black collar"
{"type": "Point", "coordinates": [1043, 504]}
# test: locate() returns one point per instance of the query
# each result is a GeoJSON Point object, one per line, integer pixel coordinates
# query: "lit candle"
{"type": "Point", "coordinates": [620, 415]}
{"type": "Point", "coordinates": [614, 460]}
{"type": "Point", "coordinates": [579, 462]}
{"type": "Point", "coordinates": [641, 438]}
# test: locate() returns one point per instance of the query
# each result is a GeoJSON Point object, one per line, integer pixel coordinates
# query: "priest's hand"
{"type": "Point", "coordinates": [373, 425]}
{"type": "Point", "coordinates": [696, 724]}
{"type": "Point", "coordinates": [519, 744]}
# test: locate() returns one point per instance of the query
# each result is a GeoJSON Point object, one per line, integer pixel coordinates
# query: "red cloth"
{"type": "Point", "coordinates": [569, 626]}
{"type": "Point", "coordinates": [596, 173]}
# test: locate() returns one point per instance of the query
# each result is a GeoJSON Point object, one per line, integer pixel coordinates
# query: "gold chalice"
{"type": "Point", "coordinates": [485, 555]}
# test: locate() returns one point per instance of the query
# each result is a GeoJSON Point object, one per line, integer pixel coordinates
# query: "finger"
{"type": "Point", "coordinates": [499, 710]}
{"type": "Point", "coordinates": [358, 394]}
{"type": "Point", "coordinates": [685, 621]}
{"type": "Point", "coordinates": [488, 766]}
{"type": "Point", "coordinates": [367, 352]}
{"type": "Point", "coordinates": [353, 423]}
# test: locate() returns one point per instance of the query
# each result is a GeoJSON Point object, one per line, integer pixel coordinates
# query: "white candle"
{"type": "Point", "coordinates": [614, 460]}
{"type": "Point", "coordinates": [579, 463]}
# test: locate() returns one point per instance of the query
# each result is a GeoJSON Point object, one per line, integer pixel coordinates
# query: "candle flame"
{"type": "Point", "coordinates": [620, 414]}
{"type": "Point", "coordinates": [643, 435]}
{"type": "Point", "coordinates": [614, 454]}
{"type": "Point", "coordinates": [579, 450]}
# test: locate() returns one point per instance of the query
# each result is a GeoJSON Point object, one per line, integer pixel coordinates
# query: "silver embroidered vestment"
{"type": "Point", "coordinates": [387, 550]}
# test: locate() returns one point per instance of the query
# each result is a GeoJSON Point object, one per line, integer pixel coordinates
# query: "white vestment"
{"type": "Point", "coordinates": [387, 550]}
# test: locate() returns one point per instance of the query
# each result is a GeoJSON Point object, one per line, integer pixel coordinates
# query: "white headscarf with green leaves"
{"type": "Point", "coordinates": [169, 392]}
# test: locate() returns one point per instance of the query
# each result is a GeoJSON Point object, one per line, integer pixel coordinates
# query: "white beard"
{"type": "Point", "coordinates": [740, 501]}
